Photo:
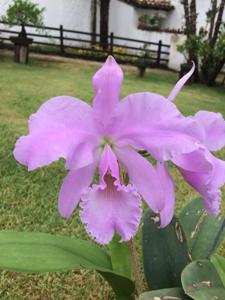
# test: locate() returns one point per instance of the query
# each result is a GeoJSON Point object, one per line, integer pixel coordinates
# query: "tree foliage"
{"type": "Point", "coordinates": [205, 46]}
{"type": "Point", "coordinates": [24, 12]}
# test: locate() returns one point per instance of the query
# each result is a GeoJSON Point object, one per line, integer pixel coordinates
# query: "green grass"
{"type": "Point", "coordinates": [29, 200]}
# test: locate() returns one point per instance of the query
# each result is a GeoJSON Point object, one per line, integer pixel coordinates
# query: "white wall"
{"type": "Point", "coordinates": [72, 14]}
{"type": "Point", "coordinates": [176, 58]}
{"type": "Point", "coordinates": [3, 6]}
{"type": "Point", "coordinates": [175, 17]}
{"type": "Point", "coordinates": [121, 19]}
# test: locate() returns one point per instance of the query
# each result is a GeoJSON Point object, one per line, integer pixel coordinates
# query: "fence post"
{"type": "Point", "coordinates": [111, 43]}
{"type": "Point", "coordinates": [159, 53]}
{"type": "Point", "coordinates": [61, 39]}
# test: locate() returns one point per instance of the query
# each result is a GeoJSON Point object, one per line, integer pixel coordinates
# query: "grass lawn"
{"type": "Point", "coordinates": [29, 200]}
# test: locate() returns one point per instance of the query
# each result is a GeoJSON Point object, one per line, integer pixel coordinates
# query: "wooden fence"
{"type": "Point", "coordinates": [72, 43]}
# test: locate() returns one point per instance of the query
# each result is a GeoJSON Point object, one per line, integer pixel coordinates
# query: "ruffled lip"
{"type": "Point", "coordinates": [111, 207]}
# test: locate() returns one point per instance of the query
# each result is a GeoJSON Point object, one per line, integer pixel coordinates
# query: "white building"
{"type": "Point", "coordinates": [124, 19]}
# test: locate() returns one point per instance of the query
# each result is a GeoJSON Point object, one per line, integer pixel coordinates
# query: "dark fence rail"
{"type": "Point", "coordinates": [72, 43]}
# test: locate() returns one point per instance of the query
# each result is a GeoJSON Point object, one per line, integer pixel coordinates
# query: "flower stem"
{"type": "Point", "coordinates": [135, 267]}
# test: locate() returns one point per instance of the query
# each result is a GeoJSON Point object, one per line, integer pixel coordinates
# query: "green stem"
{"type": "Point", "coordinates": [132, 248]}
{"type": "Point", "coordinates": [135, 267]}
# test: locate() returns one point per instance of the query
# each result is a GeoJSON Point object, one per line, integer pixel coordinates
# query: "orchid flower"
{"type": "Point", "coordinates": [106, 138]}
{"type": "Point", "coordinates": [200, 168]}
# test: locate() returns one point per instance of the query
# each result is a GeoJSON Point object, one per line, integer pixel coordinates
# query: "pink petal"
{"type": "Point", "coordinates": [177, 137]}
{"type": "Point", "coordinates": [83, 155]}
{"type": "Point", "coordinates": [208, 184]}
{"type": "Point", "coordinates": [212, 201]}
{"type": "Point", "coordinates": [109, 164]}
{"type": "Point", "coordinates": [179, 85]}
{"type": "Point", "coordinates": [214, 126]}
{"type": "Point", "coordinates": [155, 186]}
{"type": "Point", "coordinates": [110, 209]}
{"type": "Point", "coordinates": [142, 174]}
{"type": "Point", "coordinates": [168, 198]}
{"type": "Point", "coordinates": [218, 170]}
{"type": "Point", "coordinates": [110, 206]}
{"type": "Point", "coordinates": [74, 184]}
{"type": "Point", "coordinates": [55, 130]}
{"type": "Point", "coordinates": [148, 121]}
{"type": "Point", "coordinates": [107, 84]}
{"type": "Point", "coordinates": [195, 161]}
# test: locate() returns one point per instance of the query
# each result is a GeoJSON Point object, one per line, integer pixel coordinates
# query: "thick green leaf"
{"type": "Point", "coordinates": [203, 233]}
{"type": "Point", "coordinates": [165, 252]}
{"type": "Point", "coordinates": [219, 263]}
{"type": "Point", "coordinates": [40, 252]}
{"type": "Point", "coordinates": [120, 257]}
{"type": "Point", "coordinates": [167, 294]}
{"type": "Point", "coordinates": [201, 281]}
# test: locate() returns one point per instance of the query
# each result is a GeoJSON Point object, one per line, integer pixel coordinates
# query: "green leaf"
{"type": "Point", "coordinates": [120, 257]}
{"type": "Point", "coordinates": [167, 294]}
{"type": "Point", "coordinates": [203, 233]}
{"type": "Point", "coordinates": [165, 253]}
{"type": "Point", "coordinates": [41, 252]}
{"type": "Point", "coordinates": [219, 263]}
{"type": "Point", "coordinates": [201, 281]}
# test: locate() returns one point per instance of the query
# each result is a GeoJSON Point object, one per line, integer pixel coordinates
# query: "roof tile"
{"type": "Point", "coordinates": [151, 4]}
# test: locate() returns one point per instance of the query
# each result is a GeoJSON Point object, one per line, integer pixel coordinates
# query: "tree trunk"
{"type": "Point", "coordinates": [191, 28]}
{"type": "Point", "coordinates": [93, 21]}
{"type": "Point", "coordinates": [212, 18]}
{"type": "Point", "coordinates": [23, 33]}
{"type": "Point", "coordinates": [211, 66]}
{"type": "Point", "coordinates": [186, 16]}
{"type": "Point", "coordinates": [104, 23]}
{"type": "Point", "coordinates": [193, 55]}
{"type": "Point", "coordinates": [218, 23]}
{"type": "Point", "coordinates": [193, 17]}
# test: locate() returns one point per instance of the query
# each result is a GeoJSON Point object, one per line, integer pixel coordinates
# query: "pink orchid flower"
{"type": "Point", "coordinates": [200, 168]}
{"type": "Point", "coordinates": [106, 138]}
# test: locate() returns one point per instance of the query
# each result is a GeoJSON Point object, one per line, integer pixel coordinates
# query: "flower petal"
{"type": "Point", "coordinates": [107, 83]}
{"type": "Point", "coordinates": [167, 185]}
{"type": "Point", "coordinates": [55, 130]}
{"type": "Point", "coordinates": [175, 91]}
{"type": "Point", "coordinates": [155, 186]}
{"type": "Point", "coordinates": [82, 156]}
{"type": "Point", "coordinates": [212, 201]}
{"type": "Point", "coordinates": [147, 121]}
{"type": "Point", "coordinates": [110, 209]}
{"type": "Point", "coordinates": [218, 176]}
{"type": "Point", "coordinates": [214, 126]}
{"type": "Point", "coordinates": [208, 184]}
{"type": "Point", "coordinates": [142, 174]}
{"type": "Point", "coordinates": [195, 161]}
{"type": "Point", "coordinates": [72, 188]}
{"type": "Point", "coordinates": [110, 206]}
{"type": "Point", "coordinates": [109, 163]}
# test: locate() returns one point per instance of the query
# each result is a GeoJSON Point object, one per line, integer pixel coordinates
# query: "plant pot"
{"type": "Point", "coordinates": [141, 70]}
{"type": "Point", "coordinates": [21, 50]}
